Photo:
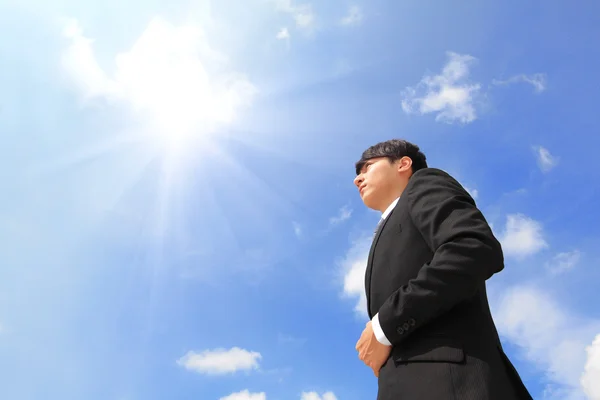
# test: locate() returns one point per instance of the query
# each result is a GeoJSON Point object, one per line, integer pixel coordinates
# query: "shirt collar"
{"type": "Point", "coordinates": [389, 209]}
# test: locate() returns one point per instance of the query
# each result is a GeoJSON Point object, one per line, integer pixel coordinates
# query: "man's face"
{"type": "Point", "coordinates": [378, 183]}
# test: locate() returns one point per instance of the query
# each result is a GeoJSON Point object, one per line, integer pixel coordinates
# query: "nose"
{"type": "Point", "coordinates": [359, 180]}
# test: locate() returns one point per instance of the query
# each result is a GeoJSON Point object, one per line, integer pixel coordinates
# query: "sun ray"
{"type": "Point", "coordinates": [89, 153]}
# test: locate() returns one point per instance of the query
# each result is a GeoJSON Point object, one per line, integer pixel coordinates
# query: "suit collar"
{"type": "Point", "coordinates": [369, 269]}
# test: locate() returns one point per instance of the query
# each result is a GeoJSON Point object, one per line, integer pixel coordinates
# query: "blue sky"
{"type": "Point", "coordinates": [178, 214]}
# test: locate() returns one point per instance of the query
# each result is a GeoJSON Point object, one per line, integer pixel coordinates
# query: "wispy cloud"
{"type": "Point", "coordinates": [450, 94]}
{"type": "Point", "coordinates": [551, 338]}
{"type": "Point", "coordinates": [171, 76]}
{"type": "Point", "coordinates": [297, 229]}
{"type": "Point", "coordinates": [563, 262]}
{"type": "Point", "coordinates": [245, 395]}
{"type": "Point", "coordinates": [283, 34]}
{"type": "Point", "coordinates": [343, 67]}
{"type": "Point", "coordinates": [522, 236]}
{"type": "Point", "coordinates": [546, 161]}
{"type": "Point", "coordinates": [302, 13]}
{"type": "Point", "coordinates": [220, 361]}
{"type": "Point", "coordinates": [473, 192]}
{"type": "Point", "coordinates": [316, 396]}
{"type": "Point", "coordinates": [538, 81]}
{"type": "Point", "coordinates": [343, 214]}
{"type": "Point", "coordinates": [290, 340]}
{"type": "Point", "coordinates": [353, 17]}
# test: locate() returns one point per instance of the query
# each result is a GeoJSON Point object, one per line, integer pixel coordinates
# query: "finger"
{"type": "Point", "coordinates": [375, 371]}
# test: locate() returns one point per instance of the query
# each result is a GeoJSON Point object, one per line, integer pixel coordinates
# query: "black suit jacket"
{"type": "Point", "coordinates": [425, 278]}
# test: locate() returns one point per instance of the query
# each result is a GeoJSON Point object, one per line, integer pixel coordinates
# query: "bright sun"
{"type": "Point", "coordinates": [175, 85]}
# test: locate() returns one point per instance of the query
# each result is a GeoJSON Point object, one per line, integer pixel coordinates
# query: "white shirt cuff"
{"type": "Point", "coordinates": [381, 338]}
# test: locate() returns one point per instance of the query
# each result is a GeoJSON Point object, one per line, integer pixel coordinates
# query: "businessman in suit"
{"type": "Point", "coordinates": [431, 335]}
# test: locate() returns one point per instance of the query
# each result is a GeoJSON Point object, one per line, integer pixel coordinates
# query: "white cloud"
{"type": "Point", "coordinates": [546, 161]}
{"type": "Point", "coordinates": [170, 79]}
{"type": "Point", "coordinates": [79, 60]}
{"type": "Point", "coordinates": [283, 34]}
{"type": "Point", "coordinates": [449, 94]}
{"type": "Point", "coordinates": [220, 361]}
{"type": "Point", "coordinates": [316, 396]}
{"type": "Point", "coordinates": [353, 267]}
{"type": "Point", "coordinates": [245, 395]}
{"type": "Point", "coordinates": [563, 262]}
{"type": "Point", "coordinates": [549, 337]}
{"type": "Point", "coordinates": [522, 236]}
{"type": "Point", "coordinates": [590, 380]}
{"type": "Point", "coordinates": [343, 214]}
{"type": "Point", "coordinates": [302, 13]}
{"type": "Point", "coordinates": [538, 81]}
{"type": "Point", "coordinates": [354, 16]}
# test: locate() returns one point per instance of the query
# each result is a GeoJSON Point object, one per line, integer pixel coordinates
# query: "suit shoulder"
{"type": "Point", "coordinates": [431, 174]}
{"type": "Point", "coordinates": [435, 180]}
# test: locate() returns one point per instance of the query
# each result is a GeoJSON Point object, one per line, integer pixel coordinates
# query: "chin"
{"type": "Point", "coordinates": [368, 202]}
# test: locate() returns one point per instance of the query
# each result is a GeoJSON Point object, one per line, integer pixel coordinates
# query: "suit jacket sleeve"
{"type": "Point", "coordinates": [465, 253]}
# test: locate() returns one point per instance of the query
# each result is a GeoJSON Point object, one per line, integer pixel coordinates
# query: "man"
{"type": "Point", "coordinates": [431, 335]}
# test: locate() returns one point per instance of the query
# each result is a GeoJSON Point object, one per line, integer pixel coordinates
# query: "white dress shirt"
{"type": "Point", "coordinates": [375, 321]}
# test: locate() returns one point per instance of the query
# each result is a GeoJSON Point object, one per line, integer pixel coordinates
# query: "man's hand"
{"type": "Point", "coordinates": [370, 351]}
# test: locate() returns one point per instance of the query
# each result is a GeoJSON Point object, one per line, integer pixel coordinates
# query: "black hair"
{"type": "Point", "coordinates": [393, 150]}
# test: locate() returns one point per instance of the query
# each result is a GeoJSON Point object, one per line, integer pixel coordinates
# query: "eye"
{"type": "Point", "coordinates": [365, 167]}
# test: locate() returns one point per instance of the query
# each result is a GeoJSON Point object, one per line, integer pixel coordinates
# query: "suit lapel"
{"type": "Point", "coordinates": [369, 269]}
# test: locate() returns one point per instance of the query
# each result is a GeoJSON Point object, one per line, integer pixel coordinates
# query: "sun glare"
{"type": "Point", "coordinates": [175, 85]}
{"type": "Point", "coordinates": [179, 94]}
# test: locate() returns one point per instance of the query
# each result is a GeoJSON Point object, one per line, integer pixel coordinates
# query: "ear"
{"type": "Point", "coordinates": [404, 164]}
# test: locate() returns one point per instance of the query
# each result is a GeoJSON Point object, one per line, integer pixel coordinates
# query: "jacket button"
{"type": "Point", "coordinates": [405, 326]}
{"type": "Point", "coordinates": [400, 330]}
{"type": "Point", "coordinates": [411, 322]}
